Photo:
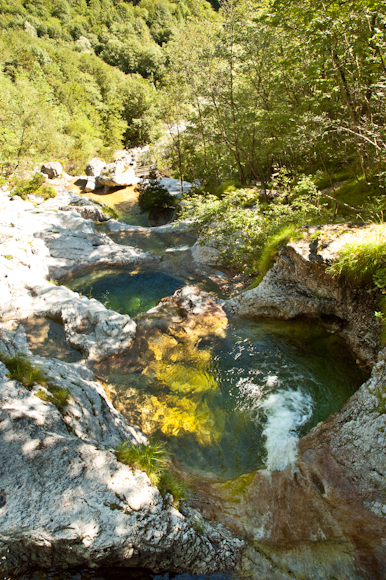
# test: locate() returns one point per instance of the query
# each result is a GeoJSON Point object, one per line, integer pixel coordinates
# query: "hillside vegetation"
{"type": "Point", "coordinates": [79, 79]}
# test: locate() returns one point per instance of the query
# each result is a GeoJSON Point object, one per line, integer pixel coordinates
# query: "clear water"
{"type": "Point", "coordinates": [127, 292]}
{"type": "Point", "coordinates": [228, 406]}
{"type": "Point", "coordinates": [132, 292]}
{"type": "Point", "coordinates": [153, 241]}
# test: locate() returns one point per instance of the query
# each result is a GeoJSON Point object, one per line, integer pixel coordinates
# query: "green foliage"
{"type": "Point", "coordinates": [152, 195]}
{"type": "Point", "coordinates": [107, 209]}
{"type": "Point", "coordinates": [170, 482]}
{"type": "Point", "coordinates": [364, 263]}
{"type": "Point", "coordinates": [34, 185]}
{"type": "Point", "coordinates": [380, 393]}
{"type": "Point", "coordinates": [8, 256]}
{"type": "Point", "coordinates": [154, 459]}
{"type": "Point", "coordinates": [239, 226]}
{"type": "Point", "coordinates": [46, 191]}
{"type": "Point", "coordinates": [22, 370]}
{"type": "Point", "coordinates": [151, 458]}
{"type": "Point", "coordinates": [272, 247]}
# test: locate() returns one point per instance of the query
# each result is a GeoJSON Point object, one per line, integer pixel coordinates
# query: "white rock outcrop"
{"type": "Point", "coordinates": [118, 174]}
{"type": "Point", "coordinates": [95, 167]}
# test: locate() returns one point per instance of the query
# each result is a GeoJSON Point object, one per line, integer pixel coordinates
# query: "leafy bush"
{"type": "Point", "coordinates": [152, 195]}
{"type": "Point", "coordinates": [46, 191]}
{"type": "Point", "coordinates": [26, 186]}
{"type": "Point", "coordinates": [240, 227]}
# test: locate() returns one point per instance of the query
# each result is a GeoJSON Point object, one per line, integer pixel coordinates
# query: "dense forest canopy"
{"type": "Point", "coordinates": [246, 90]}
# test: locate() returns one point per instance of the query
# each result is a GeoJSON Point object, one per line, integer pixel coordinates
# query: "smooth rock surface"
{"type": "Point", "coordinates": [95, 167]}
{"type": "Point", "coordinates": [118, 174]}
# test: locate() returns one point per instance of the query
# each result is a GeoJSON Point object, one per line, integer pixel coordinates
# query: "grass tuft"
{"type": "Point", "coordinates": [154, 459]}
{"type": "Point", "coordinates": [22, 370]}
{"type": "Point", "coordinates": [56, 395]}
{"type": "Point", "coordinates": [171, 483]}
{"type": "Point", "coordinates": [360, 261]}
{"type": "Point", "coordinates": [271, 248]}
{"type": "Point", "coordinates": [151, 458]}
{"type": "Point", "coordinates": [8, 256]}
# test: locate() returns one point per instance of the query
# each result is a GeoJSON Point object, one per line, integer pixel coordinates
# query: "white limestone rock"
{"type": "Point", "coordinates": [53, 169]}
{"type": "Point", "coordinates": [118, 174]}
{"type": "Point", "coordinates": [67, 501]}
{"type": "Point", "coordinates": [95, 167]}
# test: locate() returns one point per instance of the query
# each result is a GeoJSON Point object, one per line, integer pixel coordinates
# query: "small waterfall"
{"type": "Point", "coordinates": [286, 412]}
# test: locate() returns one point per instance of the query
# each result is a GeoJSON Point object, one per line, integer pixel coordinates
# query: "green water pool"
{"type": "Point", "coordinates": [228, 406]}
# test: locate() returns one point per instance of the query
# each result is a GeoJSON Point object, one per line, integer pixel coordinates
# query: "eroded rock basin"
{"type": "Point", "coordinates": [234, 401]}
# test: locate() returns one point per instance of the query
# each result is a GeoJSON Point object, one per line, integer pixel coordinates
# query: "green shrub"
{"type": "Point", "coordinates": [46, 191]}
{"type": "Point", "coordinates": [8, 256]}
{"type": "Point", "coordinates": [26, 186]}
{"type": "Point", "coordinates": [152, 195]}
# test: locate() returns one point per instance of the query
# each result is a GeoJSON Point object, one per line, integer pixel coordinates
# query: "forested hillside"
{"type": "Point", "coordinates": [79, 78]}
{"type": "Point", "coordinates": [252, 91]}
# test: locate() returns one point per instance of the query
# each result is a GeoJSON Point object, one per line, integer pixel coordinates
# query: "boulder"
{"type": "Point", "coordinates": [53, 169]}
{"type": "Point", "coordinates": [118, 174]}
{"type": "Point", "coordinates": [91, 212]}
{"type": "Point", "coordinates": [90, 185]}
{"type": "Point", "coordinates": [95, 167]}
{"type": "Point", "coordinates": [205, 255]}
